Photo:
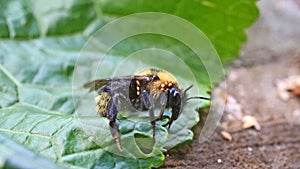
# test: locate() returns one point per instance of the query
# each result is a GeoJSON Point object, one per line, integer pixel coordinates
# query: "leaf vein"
{"type": "Point", "coordinates": [24, 133]}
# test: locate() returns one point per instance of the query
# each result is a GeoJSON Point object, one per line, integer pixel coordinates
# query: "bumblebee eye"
{"type": "Point", "coordinates": [155, 78]}
{"type": "Point", "coordinates": [174, 92]}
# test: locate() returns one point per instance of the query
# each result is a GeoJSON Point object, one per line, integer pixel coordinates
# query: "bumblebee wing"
{"type": "Point", "coordinates": [97, 84]}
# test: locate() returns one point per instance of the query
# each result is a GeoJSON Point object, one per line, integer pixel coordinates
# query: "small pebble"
{"type": "Point", "coordinates": [250, 121]}
{"type": "Point", "coordinates": [249, 149]}
{"type": "Point", "coordinates": [219, 161]}
{"type": "Point", "coordinates": [227, 136]}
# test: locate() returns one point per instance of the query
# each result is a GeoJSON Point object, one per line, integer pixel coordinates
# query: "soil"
{"type": "Point", "coordinates": [271, 53]}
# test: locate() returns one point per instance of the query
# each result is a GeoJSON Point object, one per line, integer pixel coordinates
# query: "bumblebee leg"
{"type": "Point", "coordinates": [163, 103]}
{"type": "Point", "coordinates": [175, 114]}
{"type": "Point", "coordinates": [175, 100]}
{"type": "Point", "coordinates": [103, 89]}
{"type": "Point", "coordinates": [111, 115]}
{"type": "Point", "coordinates": [148, 102]}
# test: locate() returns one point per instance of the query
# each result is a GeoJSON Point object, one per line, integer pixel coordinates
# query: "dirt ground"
{"type": "Point", "coordinates": [271, 53]}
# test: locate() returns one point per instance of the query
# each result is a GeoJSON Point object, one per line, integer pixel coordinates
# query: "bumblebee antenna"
{"type": "Point", "coordinates": [188, 88]}
{"type": "Point", "coordinates": [198, 97]}
{"type": "Point", "coordinates": [195, 97]}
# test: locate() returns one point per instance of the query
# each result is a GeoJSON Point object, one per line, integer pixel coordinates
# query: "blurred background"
{"type": "Point", "coordinates": [268, 65]}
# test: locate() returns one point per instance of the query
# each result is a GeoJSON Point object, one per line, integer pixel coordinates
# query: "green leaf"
{"type": "Point", "coordinates": [13, 155]}
{"type": "Point", "coordinates": [31, 19]}
{"type": "Point", "coordinates": [8, 88]}
{"type": "Point", "coordinates": [51, 98]}
{"type": "Point", "coordinates": [224, 22]}
{"type": "Point", "coordinates": [40, 43]}
{"type": "Point", "coordinates": [39, 113]}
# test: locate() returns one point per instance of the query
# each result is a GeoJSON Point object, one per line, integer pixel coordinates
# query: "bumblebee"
{"type": "Point", "coordinates": [145, 91]}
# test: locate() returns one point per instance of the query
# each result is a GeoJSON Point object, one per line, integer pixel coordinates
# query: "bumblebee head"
{"type": "Point", "coordinates": [160, 80]}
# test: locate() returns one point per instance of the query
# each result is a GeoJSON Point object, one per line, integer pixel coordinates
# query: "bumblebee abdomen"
{"type": "Point", "coordinates": [102, 102]}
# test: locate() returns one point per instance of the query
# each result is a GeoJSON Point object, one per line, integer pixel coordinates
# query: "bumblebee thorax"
{"type": "Point", "coordinates": [164, 82]}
